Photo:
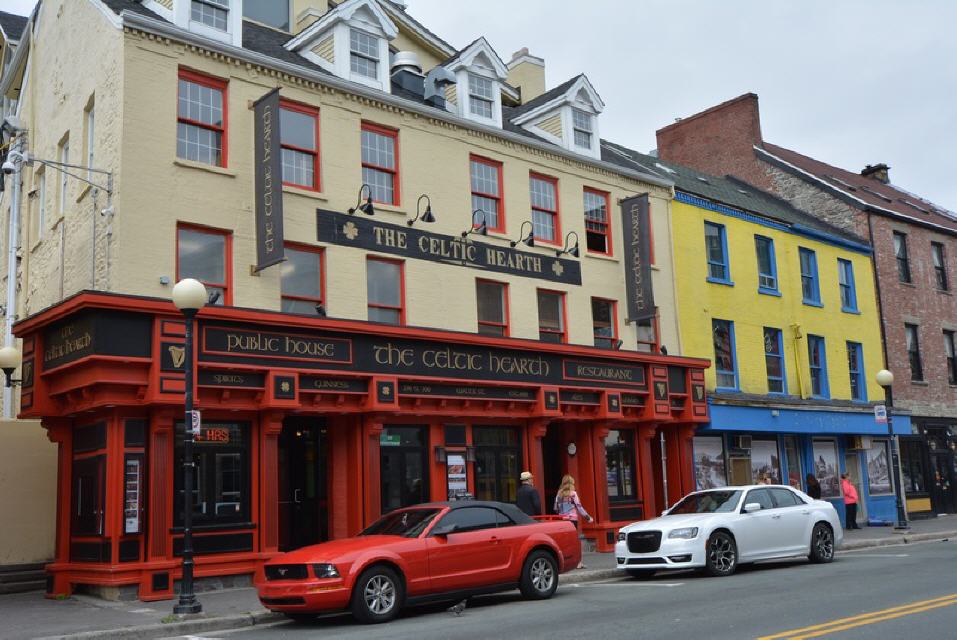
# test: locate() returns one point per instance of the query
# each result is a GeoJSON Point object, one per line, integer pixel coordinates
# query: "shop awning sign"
{"type": "Point", "coordinates": [268, 182]}
{"type": "Point", "coordinates": [636, 235]}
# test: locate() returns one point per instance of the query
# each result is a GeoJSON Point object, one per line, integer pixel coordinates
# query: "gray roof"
{"type": "Point", "coordinates": [12, 25]}
{"type": "Point", "coordinates": [546, 97]}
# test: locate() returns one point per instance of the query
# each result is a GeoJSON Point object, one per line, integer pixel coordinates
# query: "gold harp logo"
{"type": "Point", "coordinates": [284, 386]}
{"type": "Point", "coordinates": [178, 354]}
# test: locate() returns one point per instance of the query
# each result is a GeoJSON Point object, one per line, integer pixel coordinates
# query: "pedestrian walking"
{"type": "Point", "coordinates": [568, 505]}
{"type": "Point", "coordinates": [527, 497]}
{"type": "Point", "coordinates": [813, 487]}
{"type": "Point", "coordinates": [850, 502]}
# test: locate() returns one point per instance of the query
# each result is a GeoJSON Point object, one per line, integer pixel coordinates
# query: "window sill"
{"type": "Point", "coordinates": [727, 283]}
{"type": "Point", "coordinates": [907, 284]}
{"type": "Point", "coordinates": [302, 191]}
{"type": "Point", "coordinates": [727, 390]}
{"type": "Point", "coordinates": [944, 292]}
{"type": "Point", "coordinates": [812, 303]}
{"type": "Point", "coordinates": [856, 312]}
{"type": "Point", "coordinates": [920, 383]}
{"type": "Point", "coordinates": [602, 256]}
{"type": "Point", "coordinates": [189, 164]}
{"type": "Point", "coordinates": [769, 292]}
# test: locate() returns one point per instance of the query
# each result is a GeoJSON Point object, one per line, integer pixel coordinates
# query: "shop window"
{"type": "Point", "coordinates": [551, 316]}
{"type": "Point", "coordinates": [724, 356]}
{"type": "Point", "coordinates": [498, 457]}
{"type": "Point", "coordinates": [818, 365]}
{"type": "Point", "coordinates": [716, 249]}
{"type": "Point", "coordinates": [544, 196]}
{"type": "Point", "coordinates": [950, 351]}
{"type": "Point", "coordinates": [765, 461]}
{"type": "Point", "coordinates": [385, 283]}
{"type": "Point", "coordinates": [845, 277]}
{"type": "Point", "coordinates": [792, 456]}
{"type": "Point", "coordinates": [810, 285]}
{"type": "Point", "coordinates": [275, 13]}
{"type": "Point", "coordinates": [604, 323]}
{"type": "Point", "coordinates": [89, 489]}
{"type": "Point", "coordinates": [855, 366]}
{"type": "Point", "coordinates": [302, 279]}
{"type": "Point", "coordinates": [204, 254]}
{"type": "Point", "coordinates": [380, 162]}
{"type": "Point", "coordinates": [912, 465]}
{"type": "Point", "coordinates": [913, 352]}
{"type": "Point", "coordinates": [940, 266]}
{"type": "Point", "coordinates": [774, 360]}
{"type": "Point", "coordinates": [620, 465]}
{"type": "Point", "coordinates": [201, 118]}
{"type": "Point", "coordinates": [403, 466]}
{"type": "Point", "coordinates": [878, 469]}
{"type": "Point", "coordinates": [221, 474]}
{"type": "Point", "coordinates": [903, 259]}
{"type": "Point", "coordinates": [826, 469]}
{"type": "Point", "coordinates": [709, 463]}
{"type": "Point", "coordinates": [767, 265]}
{"type": "Point", "coordinates": [597, 222]}
{"type": "Point", "coordinates": [492, 307]}
{"type": "Point", "coordinates": [486, 182]}
{"type": "Point", "coordinates": [299, 128]}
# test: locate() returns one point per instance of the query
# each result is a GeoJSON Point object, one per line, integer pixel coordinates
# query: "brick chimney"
{"type": "Point", "coordinates": [718, 140]}
{"type": "Point", "coordinates": [527, 72]}
{"type": "Point", "coordinates": [879, 172]}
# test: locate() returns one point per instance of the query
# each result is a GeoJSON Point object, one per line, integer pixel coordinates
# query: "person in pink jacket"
{"type": "Point", "coordinates": [850, 502]}
{"type": "Point", "coordinates": [568, 505]}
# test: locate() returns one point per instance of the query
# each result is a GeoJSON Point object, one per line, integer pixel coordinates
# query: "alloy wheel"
{"type": "Point", "coordinates": [542, 574]}
{"type": "Point", "coordinates": [379, 594]}
{"type": "Point", "coordinates": [722, 554]}
{"type": "Point", "coordinates": [824, 543]}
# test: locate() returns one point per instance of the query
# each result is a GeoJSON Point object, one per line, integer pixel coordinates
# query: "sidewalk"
{"type": "Point", "coordinates": [29, 615]}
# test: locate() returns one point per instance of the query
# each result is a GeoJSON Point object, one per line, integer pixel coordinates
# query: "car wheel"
{"type": "Point", "coordinates": [377, 595]}
{"type": "Point", "coordinates": [722, 554]}
{"type": "Point", "coordinates": [822, 544]}
{"type": "Point", "coordinates": [640, 574]}
{"type": "Point", "coordinates": [301, 618]}
{"type": "Point", "coordinates": [539, 576]}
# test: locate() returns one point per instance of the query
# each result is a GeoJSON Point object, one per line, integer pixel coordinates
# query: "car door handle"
{"type": "Point", "coordinates": [495, 540]}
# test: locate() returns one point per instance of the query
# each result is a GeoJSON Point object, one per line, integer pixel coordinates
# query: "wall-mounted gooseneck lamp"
{"type": "Point", "coordinates": [425, 216]}
{"type": "Point", "coordinates": [365, 207]}
{"type": "Point", "coordinates": [529, 239]}
{"type": "Point", "coordinates": [481, 228]}
{"type": "Point", "coordinates": [570, 249]}
{"type": "Point", "coordinates": [10, 358]}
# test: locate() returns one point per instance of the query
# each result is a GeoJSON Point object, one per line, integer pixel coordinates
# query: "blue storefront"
{"type": "Point", "coordinates": [746, 441]}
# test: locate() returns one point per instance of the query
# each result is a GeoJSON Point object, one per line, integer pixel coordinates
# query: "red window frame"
{"type": "Point", "coordinates": [227, 286]}
{"type": "Point", "coordinates": [555, 214]}
{"type": "Point", "coordinates": [614, 321]}
{"type": "Point", "coordinates": [213, 83]}
{"type": "Point", "coordinates": [401, 308]}
{"type": "Point", "coordinates": [394, 134]}
{"type": "Point", "coordinates": [506, 311]}
{"type": "Point", "coordinates": [656, 345]}
{"type": "Point", "coordinates": [609, 251]}
{"type": "Point", "coordinates": [564, 311]}
{"type": "Point", "coordinates": [308, 248]}
{"type": "Point", "coordinates": [499, 199]}
{"type": "Point", "coordinates": [314, 113]}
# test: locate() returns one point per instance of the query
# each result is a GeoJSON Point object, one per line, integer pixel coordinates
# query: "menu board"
{"type": "Point", "coordinates": [457, 475]}
{"type": "Point", "coordinates": [132, 494]}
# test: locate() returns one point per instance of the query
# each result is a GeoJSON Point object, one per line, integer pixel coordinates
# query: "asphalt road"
{"type": "Point", "coordinates": [893, 592]}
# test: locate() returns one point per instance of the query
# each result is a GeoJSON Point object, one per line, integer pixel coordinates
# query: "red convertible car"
{"type": "Point", "coordinates": [430, 552]}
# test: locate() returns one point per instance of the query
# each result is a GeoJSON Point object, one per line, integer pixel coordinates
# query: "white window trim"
{"type": "Point", "coordinates": [568, 128]}
{"type": "Point", "coordinates": [465, 96]}
{"type": "Point", "coordinates": [182, 11]}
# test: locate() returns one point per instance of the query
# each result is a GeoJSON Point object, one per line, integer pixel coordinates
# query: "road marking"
{"type": "Point", "coordinates": [842, 624]}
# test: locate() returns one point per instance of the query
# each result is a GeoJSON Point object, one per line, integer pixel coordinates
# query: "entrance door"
{"type": "Point", "coordinates": [852, 462]}
{"type": "Point", "coordinates": [403, 466]}
{"type": "Point", "coordinates": [942, 485]}
{"type": "Point", "coordinates": [497, 459]}
{"type": "Point", "coordinates": [303, 507]}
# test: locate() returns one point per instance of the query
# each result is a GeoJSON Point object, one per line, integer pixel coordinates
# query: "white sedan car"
{"type": "Point", "coordinates": [719, 529]}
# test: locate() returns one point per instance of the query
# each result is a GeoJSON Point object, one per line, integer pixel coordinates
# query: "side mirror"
{"type": "Point", "coordinates": [751, 507]}
{"type": "Point", "coordinates": [443, 531]}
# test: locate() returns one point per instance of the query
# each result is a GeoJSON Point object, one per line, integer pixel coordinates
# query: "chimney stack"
{"type": "Point", "coordinates": [527, 72]}
{"type": "Point", "coordinates": [879, 172]}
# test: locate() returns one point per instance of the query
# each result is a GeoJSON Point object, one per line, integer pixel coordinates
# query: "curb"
{"type": "Point", "coordinates": [897, 540]}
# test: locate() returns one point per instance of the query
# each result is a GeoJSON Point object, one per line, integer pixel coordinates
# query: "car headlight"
{"type": "Point", "coordinates": [325, 570]}
{"type": "Point", "coordinates": [686, 533]}
{"type": "Point", "coordinates": [622, 536]}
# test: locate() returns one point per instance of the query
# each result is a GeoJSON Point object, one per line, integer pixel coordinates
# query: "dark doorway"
{"type": "Point", "coordinates": [403, 466]}
{"type": "Point", "coordinates": [498, 455]}
{"type": "Point", "coordinates": [303, 469]}
{"type": "Point", "coordinates": [554, 450]}
{"type": "Point", "coordinates": [942, 486]}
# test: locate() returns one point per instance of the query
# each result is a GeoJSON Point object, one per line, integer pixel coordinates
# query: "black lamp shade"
{"type": "Point", "coordinates": [427, 216]}
{"type": "Point", "coordinates": [367, 207]}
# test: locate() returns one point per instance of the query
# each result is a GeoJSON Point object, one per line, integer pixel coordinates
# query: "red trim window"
{"type": "Point", "coordinates": [544, 196]}
{"type": "Point", "coordinates": [604, 319]}
{"type": "Point", "coordinates": [648, 335]}
{"type": "Point", "coordinates": [205, 254]}
{"type": "Point", "coordinates": [385, 285]}
{"type": "Point", "coordinates": [299, 127]}
{"type": "Point", "coordinates": [380, 162]}
{"type": "Point", "coordinates": [201, 118]}
{"type": "Point", "coordinates": [486, 178]}
{"type": "Point", "coordinates": [303, 279]}
{"type": "Point", "coordinates": [492, 304]}
{"type": "Point", "coordinates": [597, 221]}
{"type": "Point", "coordinates": [551, 316]}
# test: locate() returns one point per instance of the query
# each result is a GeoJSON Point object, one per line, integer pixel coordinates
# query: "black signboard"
{"type": "Point", "coordinates": [333, 385]}
{"type": "Point", "coordinates": [231, 379]}
{"type": "Point", "coordinates": [409, 242]}
{"type": "Point", "coordinates": [636, 236]}
{"type": "Point", "coordinates": [97, 333]}
{"type": "Point", "coordinates": [579, 397]}
{"type": "Point", "coordinates": [283, 346]}
{"type": "Point", "coordinates": [268, 176]}
{"type": "Point", "coordinates": [465, 391]}
{"type": "Point", "coordinates": [620, 374]}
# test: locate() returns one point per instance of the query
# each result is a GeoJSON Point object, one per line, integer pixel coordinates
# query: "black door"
{"type": "Point", "coordinates": [303, 507]}
{"type": "Point", "coordinates": [403, 467]}
{"type": "Point", "coordinates": [942, 486]}
{"type": "Point", "coordinates": [498, 456]}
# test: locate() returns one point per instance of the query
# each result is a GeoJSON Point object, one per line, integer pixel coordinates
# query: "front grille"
{"type": "Point", "coordinates": [282, 601]}
{"type": "Point", "coordinates": [646, 561]}
{"type": "Point", "coordinates": [644, 541]}
{"type": "Point", "coordinates": [286, 572]}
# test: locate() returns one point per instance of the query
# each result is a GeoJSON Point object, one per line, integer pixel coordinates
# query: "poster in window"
{"type": "Point", "coordinates": [132, 494]}
{"type": "Point", "coordinates": [458, 484]}
{"type": "Point", "coordinates": [826, 469]}
{"type": "Point", "coordinates": [765, 461]}
{"type": "Point", "coordinates": [710, 471]}
{"type": "Point", "coordinates": [878, 472]}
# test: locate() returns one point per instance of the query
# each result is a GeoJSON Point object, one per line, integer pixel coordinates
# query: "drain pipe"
{"type": "Point", "coordinates": [13, 242]}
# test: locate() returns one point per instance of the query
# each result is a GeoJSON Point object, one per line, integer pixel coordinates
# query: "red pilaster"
{"type": "Point", "coordinates": [270, 426]}
{"type": "Point", "coordinates": [372, 429]}
{"type": "Point", "coordinates": [59, 430]}
{"type": "Point", "coordinates": [686, 457]}
{"type": "Point", "coordinates": [674, 471]}
{"type": "Point", "coordinates": [536, 465]}
{"type": "Point", "coordinates": [161, 485]}
{"type": "Point", "coordinates": [599, 474]}
{"type": "Point", "coordinates": [646, 469]}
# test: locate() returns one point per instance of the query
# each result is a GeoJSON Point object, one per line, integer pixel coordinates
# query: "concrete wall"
{"type": "Point", "coordinates": [28, 477]}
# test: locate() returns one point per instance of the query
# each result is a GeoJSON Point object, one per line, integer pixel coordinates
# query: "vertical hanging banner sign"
{"type": "Point", "coordinates": [268, 161]}
{"type": "Point", "coordinates": [636, 233]}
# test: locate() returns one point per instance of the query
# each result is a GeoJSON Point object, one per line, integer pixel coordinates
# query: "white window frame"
{"type": "Point", "coordinates": [568, 126]}
{"type": "Point", "coordinates": [464, 92]}
{"type": "Point", "coordinates": [590, 131]}
{"type": "Point", "coordinates": [182, 17]}
{"type": "Point", "coordinates": [377, 59]}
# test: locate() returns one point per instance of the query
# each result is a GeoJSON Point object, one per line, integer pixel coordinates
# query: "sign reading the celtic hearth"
{"type": "Point", "coordinates": [409, 242]}
{"type": "Point", "coordinates": [268, 179]}
{"type": "Point", "coordinates": [636, 236]}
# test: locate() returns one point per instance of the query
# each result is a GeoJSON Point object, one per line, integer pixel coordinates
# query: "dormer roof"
{"type": "Point", "coordinates": [345, 11]}
{"type": "Point", "coordinates": [12, 26]}
{"type": "Point", "coordinates": [478, 48]}
{"type": "Point", "coordinates": [572, 90]}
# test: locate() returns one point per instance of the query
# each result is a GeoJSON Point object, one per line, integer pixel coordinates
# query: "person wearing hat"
{"type": "Point", "coordinates": [527, 497]}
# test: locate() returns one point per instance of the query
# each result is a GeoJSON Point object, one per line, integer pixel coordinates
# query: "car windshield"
{"type": "Point", "coordinates": [707, 502]}
{"type": "Point", "coordinates": [409, 523]}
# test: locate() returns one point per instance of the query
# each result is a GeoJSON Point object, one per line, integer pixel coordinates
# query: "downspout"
{"type": "Point", "coordinates": [796, 328]}
{"type": "Point", "coordinates": [13, 241]}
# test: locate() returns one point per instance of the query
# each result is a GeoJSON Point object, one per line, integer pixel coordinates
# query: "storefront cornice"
{"type": "Point", "coordinates": [797, 404]}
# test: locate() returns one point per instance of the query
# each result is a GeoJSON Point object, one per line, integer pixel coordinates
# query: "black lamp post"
{"type": "Point", "coordinates": [886, 379]}
{"type": "Point", "coordinates": [189, 296]}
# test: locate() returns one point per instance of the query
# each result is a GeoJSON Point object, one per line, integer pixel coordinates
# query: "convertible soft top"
{"type": "Point", "coordinates": [512, 511]}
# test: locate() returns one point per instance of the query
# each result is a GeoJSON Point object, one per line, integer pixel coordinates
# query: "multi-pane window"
{"type": "Point", "coordinates": [203, 254]}
{"type": "Point", "coordinates": [221, 468]}
{"type": "Point", "coordinates": [725, 364]}
{"type": "Point", "coordinates": [950, 349]}
{"type": "Point", "coordinates": [201, 119]}
{"type": "Point", "coordinates": [597, 224]}
{"type": "Point", "coordinates": [551, 316]}
{"type": "Point", "coordinates": [845, 278]}
{"type": "Point", "coordinates": [767, 267]}
{"type": "Point", "coordinates": [301, 278]}
{"type": "Point", "coordinates": [212, 13]}
{"type": "Point", "coordinates": [913, 352]}
{"type": "Point", "coordinates": [363, 54]}
{"type": "Point", "coordinates": [620, 465]}
{"type": "Point", "coordinates": [647, 330]}
{"type": "Point", "coordinates": [817, 360]}
{"type": "Point", "coordinates": [716, 245]}
{"type": "Point", "coordinates": [275, 13]}
{"type": "Point", "coordinates": [544, 195]}
{"type": "Point", "coordinates": [379, 163]}
{"type": "Point", "coordinates": [855, 366]}
{"type": "Point", "coordinates": [582, 126]}
{"type": "Point", "coordinates": [481, 96]}
{"type": "Point", "coordinates": [940, 266]}
{"type": "Point", "coordinates": [486, 179]}
{"type": "Point", "coordinates": [492, 304]}
{"type": "Point", "coordinates": [810, 287]}
{"type": "Point", "coordinates": [774, 360]}
{"type": "Point", "coordinates": [64, 159]}
{"type": "Point", "coordinates": [603, 320]}
{"type": "Point", "coordinates": [385, 289]}
{"type": "Point", "coordinates": [299, 127]}
{"type": "Point", "coordinates": [900, 252]}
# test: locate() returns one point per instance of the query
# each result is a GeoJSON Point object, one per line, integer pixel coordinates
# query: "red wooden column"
{"type": "Point", "coordinates": [536, 465]}
{"type": "Point", "coordinates": [599, 478]}
{"type": "Point", "coordinates": [646, 435]}
{"type": "Point", "coordinates": [60, 431]}
{"type": "Point", "coordinates": [371, 430]}
{"type": "Point", "coordinates": [674, 472]}
{"type": "Point", "coordinates": [686, 456]}
{"type": "Point", "coordinates": [270, 426]}
{"type": "Point", "coordinates": [161, 485]}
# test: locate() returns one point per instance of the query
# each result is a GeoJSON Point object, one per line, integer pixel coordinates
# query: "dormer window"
{"type": "Point", "coordinates": [363, 54]}
{"type": "Point", "coordinates": [212, 13]}
{"type": "Point", "coordinates": [275, 13]}
{"type": "Point", "coordinates": [582, 125]}
{"type": "Point", "coordinates": [220, 20]}
{"type": "Point", "coordinates": [481, 96]}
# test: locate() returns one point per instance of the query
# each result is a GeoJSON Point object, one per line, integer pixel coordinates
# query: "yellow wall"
{"type": "Point", "coordinates": [28, 477]}
{"type": "Point", "coordinates": [699, 301]}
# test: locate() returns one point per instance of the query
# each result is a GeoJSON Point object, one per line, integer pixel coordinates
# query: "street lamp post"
{"type": "Point", "coordinates": [189, 296]}
{"type": "Point", "coordinates": [886, 379]}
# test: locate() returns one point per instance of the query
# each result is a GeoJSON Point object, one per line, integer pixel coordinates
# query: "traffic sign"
{"type": "Point", "coordinates": [195, 421]}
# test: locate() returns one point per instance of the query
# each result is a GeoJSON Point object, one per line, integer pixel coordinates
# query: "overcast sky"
{"type": "Point", "coordinates": [847, 82]}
